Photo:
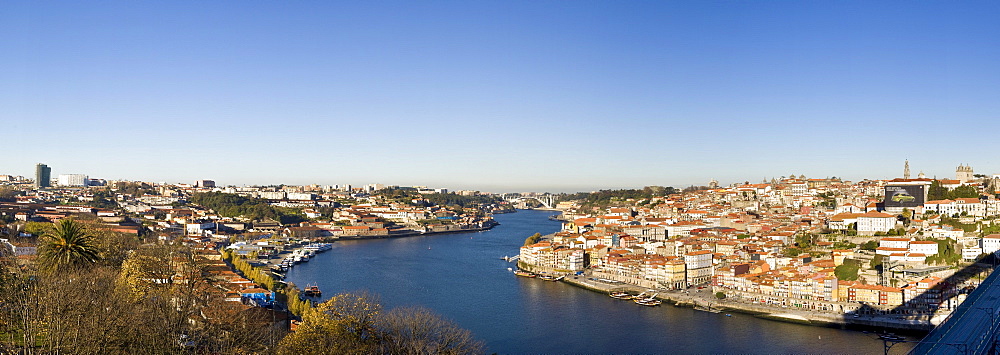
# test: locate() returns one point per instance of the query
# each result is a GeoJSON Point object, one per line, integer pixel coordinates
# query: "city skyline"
{"type": "Point", "coordinates": [961, 170]}
{"type": "Point", "coordinates": [500, 97]}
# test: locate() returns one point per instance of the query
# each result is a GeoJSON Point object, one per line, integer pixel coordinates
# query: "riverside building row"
{"type": "Point", "coordinates": [781, 242]}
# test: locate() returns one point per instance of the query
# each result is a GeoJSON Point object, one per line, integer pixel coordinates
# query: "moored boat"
{"type": "Point", "coordinates": [621, 295]}
{"type": "Point", "coordinates": [647, 300]}
{"type": "Point", "coordinates": [523, 273]}
{"type": "Point", "coordinates": [312, 291]}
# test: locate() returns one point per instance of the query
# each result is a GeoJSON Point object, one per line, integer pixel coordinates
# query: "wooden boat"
{"type": "Point", "coordinates": [523, 273]}
{"type": "Point", "coordinates": [649, 301]}
{"type": "Point", "coordinates": [621, 295]}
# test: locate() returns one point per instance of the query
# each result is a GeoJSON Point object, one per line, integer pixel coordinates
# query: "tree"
{"type": "Point", "coordinates": [848, 270]}
{"type": "Point", "coordinates": [936, 191]}
{"type": "Point", "coordinates": [69, 245]}
{"type": "Point", "coordinates": [877, 261]}
{"type": "Point", "coordinates": [720, 295]}
{"type": "Point", "coordinates": [36, 228]}
{"type": "Point", "coordinates": [533, 239]}
{"type": "Point", "coordinates": [8, 194]}
{"type": "Point", "coordinates": [420, 331]}
{"type": "Point", "coordinates": [870, 245]}
{"type": "Point", "coordinates": [964, 191]}
{"type": "Point", "coordinates": [804, 240]}
{"type": "Point", "coordinates": [344, 324]}
{"type": "Point", "coordinates": [356, 324]}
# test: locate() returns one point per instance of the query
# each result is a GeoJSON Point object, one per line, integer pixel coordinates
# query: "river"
{"type": "Point", "coordinates": [462, 277]}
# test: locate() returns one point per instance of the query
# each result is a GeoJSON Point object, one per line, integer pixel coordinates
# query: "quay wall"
{"type": "Point", "coordinates": [779, 314]}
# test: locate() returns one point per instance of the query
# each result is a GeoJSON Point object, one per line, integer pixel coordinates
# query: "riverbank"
{"type": "Point", "coordinates": [709, 304]}
{"type": "Point", "coordinates": [411, 233]}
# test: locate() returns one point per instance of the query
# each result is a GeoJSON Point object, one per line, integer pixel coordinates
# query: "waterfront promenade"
{"type": "Point", "coordinates": [704, 299]}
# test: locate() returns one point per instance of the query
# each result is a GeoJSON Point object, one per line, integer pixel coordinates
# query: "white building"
{"type": "Point", "coordinates": [300, 196]}
{"type": "Point", "coordinates": [968, 206]}
{"type": "Point", "coordinates": [946, 231]}
{"type": "Point", "coordinates": [872, 222]}
{"type": "Point", "coordinates": [903, 243]}
{"type": "Point", "coordinates": [990, 243]}
{"type": "Point", "coordinates": [908, 257]}
{"type": "Point", "coordinates": [272, 195]}
{"type": "Point", "coordinates": [970, 254]}
{"type": "Point", "coordinates": [73, 180]}
{"type": "Point", "coordinates": [199, 228]}
{"type": "Point", "coordinates": [699, 266]}
{"type": "Point", "coordinates": [924, 247]}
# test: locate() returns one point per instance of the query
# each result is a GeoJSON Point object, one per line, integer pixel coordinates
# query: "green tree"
{"type": "Point", "coordinates": [804, 240]}
{"type": "Point", "coordinates": [964, 191]}
{"type": "Point", "coordinates": [533, 239]}
{"type": "Point", "coordinates": [68, 245]}
{"type": "Point", "coordinates": [870, 245]}
{"type": "Point", "coordinates": [877, 261]}
{"type": "Point", "coordinates": [848, 270]}
{"type": "Point", "coordinates": [36, 228]}
{"type": "Point", "coordinates": [936, 191]}
{"type": "Point", "coordinates": [720, 295]}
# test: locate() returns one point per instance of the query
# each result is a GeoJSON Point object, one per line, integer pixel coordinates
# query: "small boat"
{"type": "Point", "coordinates": [728, 315]}
{"type": "Point", "coordinates": [547, 277]}
{"type": "Point", "coordinates": [649, 302]}
{"type": "Point", "coordinates": [312, 291]}
{"type": "Point", "coordinates": [523, 273]}
{"type": "Point", "coordinates": [621, 295]}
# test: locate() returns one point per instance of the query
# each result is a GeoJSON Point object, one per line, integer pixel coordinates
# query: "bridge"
{"type": "Point", "coordinates": [972, 327]}
{"type": "Point", "coordinates": [547, 200]}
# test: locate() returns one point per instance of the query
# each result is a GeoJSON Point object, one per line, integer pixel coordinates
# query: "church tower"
{"type": "Point", "coordinates": [963, 173]}
{"type": "Point", "coordinates": [906, 169]}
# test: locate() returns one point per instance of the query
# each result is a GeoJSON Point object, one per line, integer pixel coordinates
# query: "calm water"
{"type": "Point", "coordinates": [462, 277]}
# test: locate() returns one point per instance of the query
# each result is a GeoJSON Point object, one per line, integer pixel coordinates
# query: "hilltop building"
{"type": "Point", "coordinates": [73, 180]}
{"type": "Point", "coordinates": [963, 174]}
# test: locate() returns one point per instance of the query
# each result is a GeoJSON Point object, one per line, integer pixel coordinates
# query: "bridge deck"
{"type": "Point", "coordinates": [971, 329]}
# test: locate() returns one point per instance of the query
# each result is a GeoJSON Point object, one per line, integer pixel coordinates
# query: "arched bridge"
{"type": "Point", "coordinates": [547, 200]}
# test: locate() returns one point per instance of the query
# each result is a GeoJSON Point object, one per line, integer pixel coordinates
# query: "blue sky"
{"type": "Point", "coordinates": [498, 95]}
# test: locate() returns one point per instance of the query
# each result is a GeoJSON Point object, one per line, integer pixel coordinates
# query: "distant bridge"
{"type": "Point", "coordinates": [547, 200]}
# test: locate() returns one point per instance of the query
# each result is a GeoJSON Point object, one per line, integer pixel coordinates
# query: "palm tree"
{"type": "Point", "coordinates": [67, 246]}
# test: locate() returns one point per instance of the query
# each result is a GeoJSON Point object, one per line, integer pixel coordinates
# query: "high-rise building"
{"type": "Point", "coordinates": [43, 175]}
